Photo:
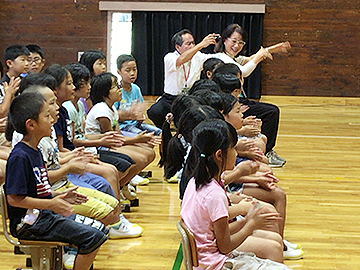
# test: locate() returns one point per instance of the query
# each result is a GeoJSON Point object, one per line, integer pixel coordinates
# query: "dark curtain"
{"type": "Point", "coordinates": [151, 40]}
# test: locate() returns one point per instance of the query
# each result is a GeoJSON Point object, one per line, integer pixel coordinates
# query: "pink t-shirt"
{"type": "Point", "coordinates": [199, 209]}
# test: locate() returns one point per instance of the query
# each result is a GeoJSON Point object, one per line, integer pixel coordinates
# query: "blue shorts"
{"type": "Point", "coordinates": [141, 127]}
{"type": "Point", "coordinates": [93, 181]}
{"type": "Point", "coordinates": [85, 233]}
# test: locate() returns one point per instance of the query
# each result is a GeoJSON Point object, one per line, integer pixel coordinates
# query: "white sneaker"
{"type": "Point", "coordinates": [69, 259]}
{"type": "Point", "coordinates": [124, 230]}
{"type": "Point", "coordinates": [137, 180]}
{"type": "Point", "coordinates": [292, 245]}
{"type": "Point", "coordinates": [126, 221]}
{"type": "Point", "coordinates": [128, 192]}
{"type": "Point", "coordinates": [293, 254]}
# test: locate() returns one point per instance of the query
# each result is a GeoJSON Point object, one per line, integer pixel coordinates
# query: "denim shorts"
{"type": "Point", "coordinates": [85, 233]}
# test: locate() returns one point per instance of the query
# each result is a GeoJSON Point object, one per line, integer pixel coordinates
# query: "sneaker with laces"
{"type": "Point", "coordinates": [293, 254]}
{"type": "Point", "coordinates": [69, 258]}
{"type": "Point", "coordinates": [125, 230]}
{"type": "Point", "coordinates": [129, 192]}
{"type": "Point", "coordinates": [292, 245]}
{"type": "Point", "coordinates": [276, 156]}
{"type": "Point", "coordinates": [273, 161]}
{"type": "Point", "coordinates": [137, 180]}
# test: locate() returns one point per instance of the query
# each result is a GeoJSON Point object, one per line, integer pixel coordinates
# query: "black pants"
{"type": "Point", "coordinates": [269, 114]}
{"type": "Point", "coordinates": [160, 109]}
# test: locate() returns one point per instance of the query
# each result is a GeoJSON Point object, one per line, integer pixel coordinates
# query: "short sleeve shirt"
{"type": "Point", "coordinates": [77, 117]}
{"type": "Point", "coordinates": [63, 127]}
{"type": "Point", "coordinates": [26, 174]}
{"type": "Point", "coordinates": [128, 99]}
{"type": "Point", "coordinates": [200, 208]}
{"type": "Point", "coordinates": [101, 109]}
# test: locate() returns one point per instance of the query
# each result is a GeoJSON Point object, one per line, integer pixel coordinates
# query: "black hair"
{"type": "Point", "coordinates": [229, 102]}
{"type": "Point", "coordinates": [33, 48]}
{"type": "Point", "coordinates": [209, 137]}
{"type": "Point", "coordinates": [228, 68]}
{"type": "Point", "coordinates": [177, 38]}
{"type": "Point", "coordinates": [210, 98]}
{"type": "Point", "coordinates": [1, 69]}
{"type": "Point", "coordinates": [25, 106]}
{"type": "Point", "coordinates": [58, 72]}
{"type": "Point", "coordinates": [180, 104]}
{"type": "Point", "coordinates": [204, 84]}
{"type": "Point", "coordinates": [88, 59]}
{"type": "Point", "coordinates": [123, 59]}
{"type": "Point", "coordinates": [227, 82]}
{"type": "Point", "coordinates": [101, 85]}
{"type": "Point", "coordinates": [37, 79]}
{"type": "Point", "coordinates": [229, 30]}
{"type": "Point", "coordinates": [80, 74]}
{"type": "Point", "coordinates": [177, 146]}
{"type": "Point", "coordinates": [14, 51]}
{"type": "Point", "coordinates": [209, 65]}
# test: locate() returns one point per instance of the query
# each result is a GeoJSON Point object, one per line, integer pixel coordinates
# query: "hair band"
{"type": "Point", "coordinates": [202, 155]}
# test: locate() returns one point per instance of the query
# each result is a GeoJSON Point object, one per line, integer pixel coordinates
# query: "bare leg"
{"type": "Point", "coordinates": [263, 248]}
{"type": "Point", "coordinates": [84, 261]}
{"type": "Point", "coordinates": [276, 197]}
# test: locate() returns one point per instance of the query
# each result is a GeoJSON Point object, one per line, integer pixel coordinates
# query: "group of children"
{"type": "Point", "coordinates": [79, 143]}
{"type": "Point", "coordinates": [75, 163]}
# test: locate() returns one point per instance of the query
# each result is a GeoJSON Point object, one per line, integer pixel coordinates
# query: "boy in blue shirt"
{"type": "Point", "coordinates": [130, 108]}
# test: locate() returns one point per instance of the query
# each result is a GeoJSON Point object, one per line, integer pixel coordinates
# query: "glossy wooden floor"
{"type": "Point", "coordinates": [320, 138]}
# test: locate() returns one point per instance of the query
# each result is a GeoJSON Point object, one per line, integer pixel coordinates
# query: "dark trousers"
{"type": "Point", "coordinates": [269, 114]}
{"type": "Point", "coordinates": [160, 109]}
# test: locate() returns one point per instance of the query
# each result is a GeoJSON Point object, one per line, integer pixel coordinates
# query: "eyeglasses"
{"type": "Point", "coordinates": [240, 43]}
{"type": "Point", "coordinates": [36, 60]}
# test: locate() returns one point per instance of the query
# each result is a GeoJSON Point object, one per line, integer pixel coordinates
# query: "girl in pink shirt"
{"type": "Point", "coordinates": [205, 207]}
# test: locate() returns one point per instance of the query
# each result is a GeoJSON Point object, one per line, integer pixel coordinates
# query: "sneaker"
{"type": "Point", "coordinates": [273, 161]}
{"type": "Point", "coordinates": [69, 258]}
{"type": "Point", "coordinates": [173, 179]}
{"type": "Point", "coordinates": [125, 230]}
{"type": "Point", "coordinates": [137, 180]}
{"type": "Point", "coordinates": [292, 245]}
{"type": "Point", "coordinates": [276, 156]}
{"type": "Point", "coordinates": [126, 221]}
{"type": "Point", "coordinates": [125, 203]}
{"type": "Point", "coordinates": [293, 254]}
{"type": "Point", "coordinates": [129, 192]}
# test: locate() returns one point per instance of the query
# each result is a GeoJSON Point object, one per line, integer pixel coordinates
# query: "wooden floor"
{"type": "Point", "coordinates": [320, 138]}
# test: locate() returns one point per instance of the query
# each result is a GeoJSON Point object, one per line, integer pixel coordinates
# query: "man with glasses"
{"type": "Point", "coordinates": [36, 58]}
{"type": "Point", "coordinates": [182, 69]}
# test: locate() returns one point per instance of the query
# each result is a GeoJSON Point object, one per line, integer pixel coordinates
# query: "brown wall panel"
{"type": "Point", "coordinates": [324, 60]}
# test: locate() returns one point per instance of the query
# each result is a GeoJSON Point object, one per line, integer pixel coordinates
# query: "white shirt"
{"type": "Point", "coordinates": [246, 69]}
{"type": "Point", "coordinates": [176, 78]}
{"type": "Point", "coordinates": [92, 124]}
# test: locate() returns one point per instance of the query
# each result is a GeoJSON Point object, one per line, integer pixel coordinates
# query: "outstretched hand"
{"type": "Point", "coordinates": [74, 197]}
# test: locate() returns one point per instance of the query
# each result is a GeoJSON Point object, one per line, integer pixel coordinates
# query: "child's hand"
{"type": "Point", "coordinates": [260, 217]}
{"type": "Point", "coordinates": [250, 131]}
{"type": "Point", "coordinates": [3, 124]}
{"type": "Point", "coordinates": [250, 120]}
{"type": "Point", "coordinates": [267, 180]}
{"type": "Point", "coordinates": [237, 197]}
{"type": "Point", "coordinates": [245, 144]}
{"type": "Point", "coordinates": [156, 140]}
{"type": "Point", "coordinates": [255, 153]}
{"type": "Point", "coordinates": [244, 108]}
{"type": "Point", "coordinates": [13, 86]}
{"type": "Point", "coordinates": [144, 137]}
{"type": "Point", "coordinates": [112, 140]}
{"type": "Point", "coordinates": [61, 206]}
{"type": "Point", "coordinates": [78, 165]}
{"type": "Point", "coordinates": [74, 197]}
{"type": "Point", "coordinates": [247, 167]}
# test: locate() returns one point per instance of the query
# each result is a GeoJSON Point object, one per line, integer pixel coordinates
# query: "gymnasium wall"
{"type": "Point", "coordinates": [324, 60]}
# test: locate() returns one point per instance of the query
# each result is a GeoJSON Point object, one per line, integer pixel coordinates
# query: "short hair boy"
{"type": "Point", "coordinates": [36, 58]}
{"type": "Point", "coordinates": [17, 62]}
{"type": "Point", "coordinates": [130, 107]}
{"type": "Point", "coordinates": [228, 83]}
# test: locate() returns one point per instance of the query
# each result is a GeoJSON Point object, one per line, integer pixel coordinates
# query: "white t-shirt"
{"type": "Point", "coordinates": [92, 124]}
{"type": "Point", "coordinates": [177, 78]}
{"type": "Point", "coordinates": [246, 69]}
{"type": "Point", "coordinates": [76, 116]}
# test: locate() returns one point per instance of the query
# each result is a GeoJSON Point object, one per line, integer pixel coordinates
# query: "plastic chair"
{"type": "Point", "coordinates": [44, 255]}
{"type": "Point", "coordinates": [190, 253]}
